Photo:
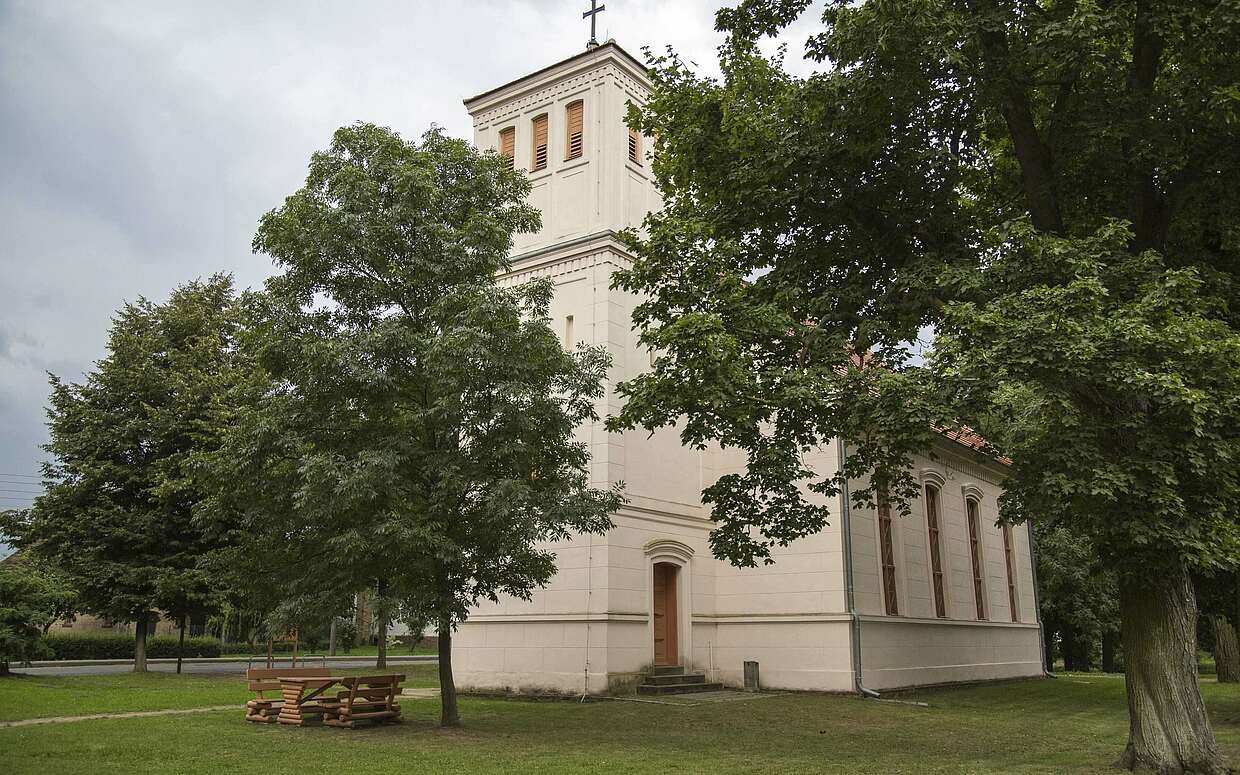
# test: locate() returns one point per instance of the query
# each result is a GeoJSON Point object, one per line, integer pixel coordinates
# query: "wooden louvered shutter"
{"type": "Point", "coordinates": [975, 552]}
{"type": "Point", "coordinates": [540, 142]}
{"type": "Point", "coordinates": [635, 147]}
{"type": "Point", "coordinates": [508, 144]}
{"type": "Point", "coordinates": [1009, 556]}
{"type": "Point", "coordinates": [574, 114]}
{"type": "Point", "coordinates": [936, 550]}
{"type": "Point", "coordinates": [886, 549]}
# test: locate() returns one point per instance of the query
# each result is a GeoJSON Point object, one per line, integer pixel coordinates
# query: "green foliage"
{"type": "Point", "coordinates": [413, 432]}
{"type": "Point", "coordinates": [32, 598]}
{"type": "Point", "coordinates": [117, 517]}
{"type": "Point", "coordinates": [1078, 596]}
{"type": "Point", "coordinates": [996, 172]}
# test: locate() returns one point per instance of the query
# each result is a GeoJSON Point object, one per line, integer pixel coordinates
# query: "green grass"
{"type": "Point", "coordinates": [31, 696]}
{"type": "Point", "coordinates": [1074, 724]}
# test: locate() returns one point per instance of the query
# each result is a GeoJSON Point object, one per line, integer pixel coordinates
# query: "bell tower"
{"type": "Point", "coordinates": [564, 125]}
{"type": "Point", "coordinates": [590, 177]}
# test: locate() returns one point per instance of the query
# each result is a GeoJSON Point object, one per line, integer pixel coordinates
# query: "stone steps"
{"type": "Point", "coordinates": [672, 679]}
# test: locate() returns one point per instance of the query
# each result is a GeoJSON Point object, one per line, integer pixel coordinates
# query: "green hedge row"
{"type": "Point", "coordinates": [121, 647]}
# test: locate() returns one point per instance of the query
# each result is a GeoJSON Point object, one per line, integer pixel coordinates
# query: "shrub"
{"type": "Point", "coordinates": [122, 646]}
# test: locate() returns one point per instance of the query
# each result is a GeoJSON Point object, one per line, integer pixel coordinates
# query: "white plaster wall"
{"type": "Point", "coordinates": [898, 652]}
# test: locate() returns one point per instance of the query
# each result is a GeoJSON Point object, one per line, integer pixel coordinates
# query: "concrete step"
{"type": "Point", "coordinates": [669, 670]}
{"type": "Point", "coordinates": [664, 680]}
{"type": "Point", "coordinates": [682, 688]}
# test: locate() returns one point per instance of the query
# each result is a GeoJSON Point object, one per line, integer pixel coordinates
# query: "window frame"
{"type": "Point", "coordinates": [580, 105]}
{"type": "Point", "coordinates": [635, 147]}
{"type": "Point", "coordinates": [510, 133]}
{"type": "Point", "coordinates": [933, 494]}
{"type": "Point", "coordinates": [887, 563]}
{"type": "Point", "coordinates": [977, 557]}
{"type": "Point", "coordinates": [535, 164]}
{"type": "Point", "coordinates": [1009, 561]}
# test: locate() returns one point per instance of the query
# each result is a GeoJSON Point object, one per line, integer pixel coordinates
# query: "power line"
{"type": "Point", "coordinates": [31, 492]}
{"type": "Point", "coordinates": [21, 476]}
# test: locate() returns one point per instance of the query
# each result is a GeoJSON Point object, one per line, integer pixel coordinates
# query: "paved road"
{"type": "Point", "coordinates": [237, 668]}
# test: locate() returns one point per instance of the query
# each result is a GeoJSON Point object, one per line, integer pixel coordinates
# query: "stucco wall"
{"type": "Point", "coordinates": [903, 652]}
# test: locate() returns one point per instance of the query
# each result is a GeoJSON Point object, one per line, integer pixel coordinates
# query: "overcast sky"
{"type": "Point", "coordinates": [141, 141]}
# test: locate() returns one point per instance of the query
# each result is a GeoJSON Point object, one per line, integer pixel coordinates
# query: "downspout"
{"type": "Point", "coordinates": [1037, 599]}
{"type": "Point", "coordinates": [854, 621]}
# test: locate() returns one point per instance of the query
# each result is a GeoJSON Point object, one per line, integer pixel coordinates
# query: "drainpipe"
{"type": "Point", "coordinates": [1037, 599]}
{"type": "Point", "coordinates": [854, 621]}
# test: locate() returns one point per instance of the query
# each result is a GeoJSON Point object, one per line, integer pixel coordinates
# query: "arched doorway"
{"type": "Point", "coordinates": [666, 620]}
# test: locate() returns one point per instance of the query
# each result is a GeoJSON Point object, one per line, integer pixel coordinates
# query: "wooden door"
{"type": "Point", "coordinates": [666, 648]}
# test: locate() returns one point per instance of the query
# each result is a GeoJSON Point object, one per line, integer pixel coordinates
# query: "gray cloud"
{"type": "Point", "coordinates": [141, 142]}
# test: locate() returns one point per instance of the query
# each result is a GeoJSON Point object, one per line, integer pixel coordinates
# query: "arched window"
{"type": "Point", "coordinates": [539, 126]}
{"type": "Point", "coordinates": [975, 554]}
{"type": "Point", "coordinates": [508, 144]}
{"type": "Point", "coordinates": [574, 145]}
{"type": "Point", "coordinates": [936, 550]}
{"type": "Point", "coordinates": [888, 557]}
{"type": "Point", "coordinates": [1009, 556]}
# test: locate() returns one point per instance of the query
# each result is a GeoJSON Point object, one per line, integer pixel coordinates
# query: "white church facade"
{"type": "Point", "coordinates": [872, 602]}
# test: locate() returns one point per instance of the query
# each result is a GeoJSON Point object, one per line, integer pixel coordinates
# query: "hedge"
{"type": "Point", "coordinates": [121, 647]}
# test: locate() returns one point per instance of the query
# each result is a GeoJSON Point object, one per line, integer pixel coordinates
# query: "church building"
{"type": "Point", "coordinates": [873, 602]}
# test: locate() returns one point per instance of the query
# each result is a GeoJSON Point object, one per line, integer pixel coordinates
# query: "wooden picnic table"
{"type": "Point", "coordinates": [368, 697]}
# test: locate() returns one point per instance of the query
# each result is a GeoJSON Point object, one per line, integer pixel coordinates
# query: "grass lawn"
{"type": "Point", "coordinates": [1074, 724]}
{"type": "Point", "coordinates": [39, 696]}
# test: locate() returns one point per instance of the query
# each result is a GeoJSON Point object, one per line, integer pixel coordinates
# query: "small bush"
{"type": "Point", "coordinates": [122, 646]}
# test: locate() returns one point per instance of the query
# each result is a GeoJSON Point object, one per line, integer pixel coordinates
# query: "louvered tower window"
{"type": "Point", "coordinates": [575, 141]}
{"type": "Point", "coordinates": [1009, 556]}
{"type": "Point", "coordinates": [540, 143]}
{"type": "Point", "coordinates": [936, 550]}
{"type": "Point", "coordinates": [890, 604]}
{"type": "Point", "coordinates": [635, 146]}
{"type": "Point", "coordinates": [508, 144]}
{"type": "Point", "coordinates": [975, 552]}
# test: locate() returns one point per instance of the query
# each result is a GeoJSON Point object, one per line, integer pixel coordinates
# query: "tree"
{"type": "Point", "coordinates": [33, 597]}
{"type": "Point", "coordinates": [415, 436]}
{"type": "Point", "coordinates": [1078, 599]}
{"type": "Point", "coordinates": [1218, 597]}
{"type": "Point", "coordinates": [1052, 188]}
{"type": "Point", "coordinates": [117, 517]}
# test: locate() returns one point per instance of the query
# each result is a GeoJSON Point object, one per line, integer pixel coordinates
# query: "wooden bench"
{"type": "Point", "coordinates": [369, 698]}
{"type": "Point", "coordinates": [266, 710]}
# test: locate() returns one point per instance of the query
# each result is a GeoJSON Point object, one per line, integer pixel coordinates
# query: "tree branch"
{"type": "Point", "coordinates": [1034, 156]}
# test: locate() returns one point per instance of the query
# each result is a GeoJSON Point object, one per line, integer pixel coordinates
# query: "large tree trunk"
{"type": "Point", "coordinates": [449, 715]}
{"type": "Point", "coordinates": [181, 645]}
{"type": "Point", "coordinates": [331, 639]}
{"type": "Point", "coordinates": [139, 644]}
{"type": "Point", "coordinates": [1169, 732]}
{"type": "Point", "coordinates": [1226, 651]}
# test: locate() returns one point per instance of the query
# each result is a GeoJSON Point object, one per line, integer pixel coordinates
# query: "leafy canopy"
{"type": "Point", "coordinates": [413, 432]}
{"type": "Point", "coordinates": [32, 598]}
{"type": "Point", "coordinates": [118, 514]}
{"type": "Point", "coordinates": [1050, 188]}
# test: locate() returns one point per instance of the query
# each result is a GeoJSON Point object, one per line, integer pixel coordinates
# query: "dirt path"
{"type": "Point", "coordinates": [26, 722]}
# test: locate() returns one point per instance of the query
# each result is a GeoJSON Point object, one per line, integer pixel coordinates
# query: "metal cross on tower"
{"type": "Point", "coordinates": [592, 15]}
